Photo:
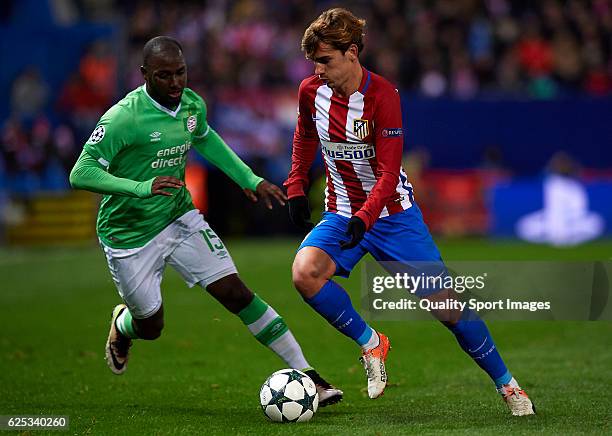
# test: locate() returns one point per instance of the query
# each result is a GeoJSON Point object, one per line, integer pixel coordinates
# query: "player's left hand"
{"type": "Point", "coordinates": [356, 230]}
{"type": "Point", "coordinates": [266, 191]}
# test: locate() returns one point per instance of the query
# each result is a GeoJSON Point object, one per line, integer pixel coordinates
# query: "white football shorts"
{"type": "Point", "coordinates": [189, 245]}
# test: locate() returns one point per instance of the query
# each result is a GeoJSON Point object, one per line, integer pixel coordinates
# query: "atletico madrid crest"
{"type": "Point", "coordinates": [360, 128]}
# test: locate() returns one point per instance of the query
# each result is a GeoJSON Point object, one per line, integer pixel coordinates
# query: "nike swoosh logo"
{"type": "Point", "coordinates": [481, 345]}
{"type": "Point", "coordinates": [339, 316]}
{"type": "Point", "coordinates": [118, 365]}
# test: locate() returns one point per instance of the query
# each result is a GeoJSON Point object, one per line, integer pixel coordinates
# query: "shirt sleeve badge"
{"type": "Point", "coordinates": [97, 135]}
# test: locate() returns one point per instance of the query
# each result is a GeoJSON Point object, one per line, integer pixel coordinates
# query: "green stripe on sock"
{"type": "Point", "coordinates": [253, 311]}
{"type": "Point", "coordinates": [272, 331]}
{"type": "Point", "coordinates": [125, 325]}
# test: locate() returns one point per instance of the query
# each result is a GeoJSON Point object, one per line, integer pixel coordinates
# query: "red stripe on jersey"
{"type": "Point", "coordinates": [331, 193]}
{"type": "Point", "coordinates": [337, 119]}
{"type": "Point", "coordinates": [354, 188]}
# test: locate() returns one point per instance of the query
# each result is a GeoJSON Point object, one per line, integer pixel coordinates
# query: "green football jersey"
{"type": "Point", "coordinates": [139, 139]}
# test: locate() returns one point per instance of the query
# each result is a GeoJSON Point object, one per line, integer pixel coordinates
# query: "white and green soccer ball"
{"type": "Point", "coordinates": [289, 395]}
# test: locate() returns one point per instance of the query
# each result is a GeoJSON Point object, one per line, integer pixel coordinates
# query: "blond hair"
{"type": "Point", "coordinates": [337, 27]}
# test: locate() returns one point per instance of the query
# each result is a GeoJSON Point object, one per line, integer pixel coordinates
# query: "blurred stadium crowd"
{"type": "Point", "coordinates": [244, 58]}
{"type": "Point", "coordinates": [458, 47]}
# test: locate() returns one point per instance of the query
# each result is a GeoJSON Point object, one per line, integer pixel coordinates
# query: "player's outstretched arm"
{"type": "Point", "coordinates": [267, 191]}
{"type": "Point", "coordinates": [88, 174]}
{"type": "Point", "coordinates": [218, 153]}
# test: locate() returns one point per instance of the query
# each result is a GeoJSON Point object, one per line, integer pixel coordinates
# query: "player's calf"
{"type": "Point", "coordinates": [231, 292]}
{"type": "Point", "coordinates": [150, 328]}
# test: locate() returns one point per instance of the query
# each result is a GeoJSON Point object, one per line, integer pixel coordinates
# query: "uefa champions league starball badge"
{"type": "Point", "coordinates": [97, 135]}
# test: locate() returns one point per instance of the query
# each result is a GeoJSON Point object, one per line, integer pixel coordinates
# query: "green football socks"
{"type": "Point", "coordinates": [270, 329]}
{"type": "Point", "coordinates": [125, 326]}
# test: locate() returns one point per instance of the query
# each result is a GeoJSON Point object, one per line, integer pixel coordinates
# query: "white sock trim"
{"type": "Point", "coordinates": [512, 383]}
{"type": "Point", "coordinates": [265, 319]}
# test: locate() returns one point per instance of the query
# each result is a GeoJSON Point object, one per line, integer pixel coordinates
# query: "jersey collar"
{"type": "Point", "coordinates": [365, 81]}
{"type": "Point", "coordinates": [173, 113]}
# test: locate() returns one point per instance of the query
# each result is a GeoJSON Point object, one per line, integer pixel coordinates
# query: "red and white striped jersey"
{"type": "Point", "coordinates": [361, 141]}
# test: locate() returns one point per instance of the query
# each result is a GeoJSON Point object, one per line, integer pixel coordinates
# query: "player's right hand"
{"type": "Point", "coordinates": [355, 229]}
{"type": "Point", "coordinates": [161, 182]}
{"type": "Point", "coordinates": [299, 212]}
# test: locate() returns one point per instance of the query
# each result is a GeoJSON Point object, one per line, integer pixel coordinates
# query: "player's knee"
{"type": "Point", "coordinates": [312, 267]}
{"type": "Point", "coordinates": [237, 298]}
{"type": "Point", "coordinates": [451, 318]}
{"type": "Point", "coordinates": [306, 278]}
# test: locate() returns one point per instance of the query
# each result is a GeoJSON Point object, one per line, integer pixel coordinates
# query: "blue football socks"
{"type": "Point", "coordinates": [474, 338]}
{"type": "Point", "coordinates": [334, 304]}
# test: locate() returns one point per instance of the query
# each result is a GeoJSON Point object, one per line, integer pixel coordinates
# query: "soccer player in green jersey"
{"type": "Point", "coordinates": [136, 157]}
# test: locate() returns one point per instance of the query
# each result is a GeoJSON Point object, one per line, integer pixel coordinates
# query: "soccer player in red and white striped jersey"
{"type": "Point", "coordinates": [361, 140]}
{"type": "Point", "coordinates": [355, 115]}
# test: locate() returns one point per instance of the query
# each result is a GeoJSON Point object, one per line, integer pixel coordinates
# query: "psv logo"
{"type": "Point", "coordinates": [192, 123]}
{"type": "Point", "coordinates": [361, 128]}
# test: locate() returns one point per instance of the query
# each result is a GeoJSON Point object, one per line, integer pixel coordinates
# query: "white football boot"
{"type": "Point", "coordinates": [517, 400]}
{"type": "Point", "coordinates": [373, 361]}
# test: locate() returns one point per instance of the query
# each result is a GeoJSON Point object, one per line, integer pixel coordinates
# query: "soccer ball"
{"type": "Point", "coordinates": [289, 395]}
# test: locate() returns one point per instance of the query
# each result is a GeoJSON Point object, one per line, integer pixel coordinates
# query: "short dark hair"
{"type": "Point", "coordinates": [337, 27]}
{"type": "Point", "coordinates": [158, 45]}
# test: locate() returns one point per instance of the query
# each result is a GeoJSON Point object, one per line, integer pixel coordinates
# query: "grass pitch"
{"type": "Point", "coordinates": [203, 375]}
